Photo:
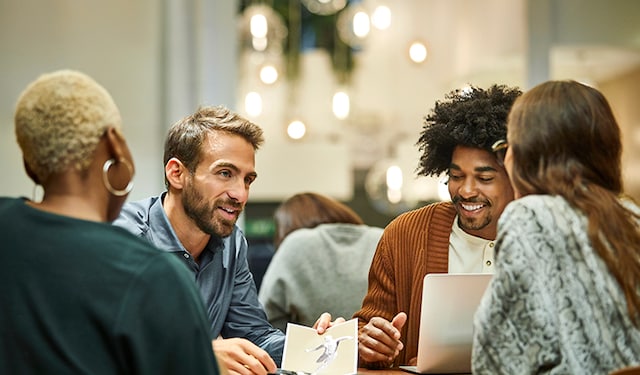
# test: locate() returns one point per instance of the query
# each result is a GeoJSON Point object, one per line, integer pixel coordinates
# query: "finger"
{"type": "Point", "coordinates": [337, 321]}
{"type": "Point", "coordinates": [238, 368]}
{"type": "Point", "coordinates": [381, 336]}
{"type": "Point", "coordinates": [267, 363]}
{"type": "Point", "coordinates": [381, 326]}
{"type": "Point", "coordinates": [228, 359]}
{"type": "Point", "coordinates": [369, 354]}
{"type": "Point", "coordinates": [399, 320]}
{"type": "Point", "coordinates": [243, 356]}
{"type": "Point", "coordinates": [255, 367]}
{"type": "Point", "coordinates": [260, 362]}
{"type": "Point", "coordinates": [323, 322]}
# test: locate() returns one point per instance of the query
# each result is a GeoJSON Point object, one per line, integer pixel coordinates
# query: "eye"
{"type": "Point", "coordinates": [485, 179]}
{"type": "Point", "coordinates": [225, 173]}
{"type": "Point", "coordinates": [454, 177]}
{"type": "Point", "coordinates": [249, 180]}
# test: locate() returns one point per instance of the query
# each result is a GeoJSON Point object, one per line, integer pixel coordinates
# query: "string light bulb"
{"type": "Point", "coordinates": [296, 129]}
{"type": "Point", "coordinates": [417, 52]}
{"type": "Point", "coordinates": [253, 104]}
{"type": "Point", "coordinates": [381, 17]}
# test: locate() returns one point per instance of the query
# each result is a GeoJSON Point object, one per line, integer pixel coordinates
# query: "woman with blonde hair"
{"type": "Point", "coordinates": [565, 296]}
{"type": "Point", "coordinates": [78, 295]}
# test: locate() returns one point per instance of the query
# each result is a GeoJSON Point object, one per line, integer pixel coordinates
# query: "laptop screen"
{"type": "Point", "coordinates": [449, 302]}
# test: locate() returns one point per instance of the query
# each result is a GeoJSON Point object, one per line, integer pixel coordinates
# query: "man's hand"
{"type": "Point", "coordinates": [324, 322]}
{"type": "Point", "coordinates": [242, 357]}
{"type": "Point", "coordinates": [379, 340]}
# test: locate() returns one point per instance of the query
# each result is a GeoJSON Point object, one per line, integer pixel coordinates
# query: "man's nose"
{"type": "Point", "coordinates": [239, 191]}
{"type": "Point", "coordinates": [468, 188]}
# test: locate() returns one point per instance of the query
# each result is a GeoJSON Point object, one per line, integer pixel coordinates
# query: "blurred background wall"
{"type": "Point", "coordinates": [162, 59]}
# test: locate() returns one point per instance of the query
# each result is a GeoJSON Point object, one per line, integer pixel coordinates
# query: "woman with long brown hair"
{"type": "Point", "coordinates": [565, 297]}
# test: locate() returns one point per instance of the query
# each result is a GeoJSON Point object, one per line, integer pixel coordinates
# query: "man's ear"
{"type": "Point", "coordinates": [175, 172]}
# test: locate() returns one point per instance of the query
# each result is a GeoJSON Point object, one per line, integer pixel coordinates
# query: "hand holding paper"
{"type": "Point", "coordinates": [334, 352]}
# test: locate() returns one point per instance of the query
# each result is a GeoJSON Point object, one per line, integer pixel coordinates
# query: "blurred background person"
{"type": "Point", "coordinates": [321, 263]}
{"type": "Point", "coordinates": [565, 297]}
{"type": "Point", "coordinates": [78, 295]}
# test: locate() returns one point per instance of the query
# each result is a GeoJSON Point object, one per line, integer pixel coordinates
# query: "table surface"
{"type": "Point", "coordinates": [392, 371]}
{"type": "Point", "coordinates": [364, 371]}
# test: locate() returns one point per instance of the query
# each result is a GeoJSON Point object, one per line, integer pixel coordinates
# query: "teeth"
{"type": "Point", "coordinates": [229, 210]}
{"type": "Point", "coordinates": [472, 207]}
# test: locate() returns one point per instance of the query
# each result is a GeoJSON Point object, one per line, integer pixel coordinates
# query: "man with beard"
{"type": "Point", "coordinates": [444, 237]}
{"type": "Point", "coordinates": [209, 160]}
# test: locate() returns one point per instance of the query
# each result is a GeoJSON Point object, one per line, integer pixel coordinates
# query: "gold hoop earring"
{"type": "Point", "coordinates": [105, 177]}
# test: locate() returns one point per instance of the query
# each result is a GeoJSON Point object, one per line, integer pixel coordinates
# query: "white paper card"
{"type": "Point", "coordinates": [335, 352]}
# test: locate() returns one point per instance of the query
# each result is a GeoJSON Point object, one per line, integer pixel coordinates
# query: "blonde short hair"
{"type": "Point", "coordinates": [59, 120]}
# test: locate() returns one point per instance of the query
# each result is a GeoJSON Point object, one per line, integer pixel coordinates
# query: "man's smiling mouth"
{"type": "Point", "coordinates": [472, 207]}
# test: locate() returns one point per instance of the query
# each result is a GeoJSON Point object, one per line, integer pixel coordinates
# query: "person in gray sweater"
{"type": "Point", "coordinates": [321, 263]}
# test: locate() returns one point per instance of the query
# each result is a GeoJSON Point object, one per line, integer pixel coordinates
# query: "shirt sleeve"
{"type": "Point", "coordinates": [514, 331]}
{"type": "Point", "coordinates": [273, 292]}
{"type": "Point", "coordinates": [246, 317]}
{"type": "Point", "coordinates": [162, 327]}
{"type": "Point", "coordinates": [380, 299]}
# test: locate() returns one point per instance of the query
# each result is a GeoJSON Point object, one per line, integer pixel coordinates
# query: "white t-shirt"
{"type": "Point", "coordinates": [469, 254]}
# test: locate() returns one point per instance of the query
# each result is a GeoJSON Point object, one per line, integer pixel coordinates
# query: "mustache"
{"type": "Point", "coordinates": [230, 203]}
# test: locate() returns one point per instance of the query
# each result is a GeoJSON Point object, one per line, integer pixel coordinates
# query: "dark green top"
{"type": "Point", "coordinates": [80, 297]}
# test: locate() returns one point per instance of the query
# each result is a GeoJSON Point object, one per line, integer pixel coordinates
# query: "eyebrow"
{"type": "Point", "coordinates": [225, 164]}
{"type": "Point", "coordinates": [486, 168]}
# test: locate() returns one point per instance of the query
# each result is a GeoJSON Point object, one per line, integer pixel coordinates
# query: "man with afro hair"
{"type": "Point", "coordinates": [444, 237]}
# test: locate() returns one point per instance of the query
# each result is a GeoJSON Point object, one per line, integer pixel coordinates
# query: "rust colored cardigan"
{"type": "Point", "coordinates": [414, 244]}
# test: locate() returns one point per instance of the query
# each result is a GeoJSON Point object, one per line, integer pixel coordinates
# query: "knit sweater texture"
{"type": "Point", "coordinates": [552, 306]}
{"type": "Point", "coordinates": [316, 270]}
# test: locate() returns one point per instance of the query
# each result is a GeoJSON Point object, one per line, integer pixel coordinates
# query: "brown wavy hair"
{"type": "Point", "coordinates": [185, 137]}
{"type": "Point", "coordinates": [565, 141]}
{"type": "Point", "coordinates": [308, 210]}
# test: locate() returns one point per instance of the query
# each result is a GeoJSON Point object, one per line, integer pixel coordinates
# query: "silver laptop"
{"type": "Point", "coordinates": [449, 302]}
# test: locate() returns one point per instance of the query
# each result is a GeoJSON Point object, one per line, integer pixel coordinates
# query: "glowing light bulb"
{"type": "Point", "coordinates": [258, 26]}
{"type": "Point", "coordinates": [268, 74]}
{"type": "Point", "coordinates": [341, 105]}
{"type": "Point", "coordinates": [394, 177]}
{"type": "Point", "coordinates": [361, 25]}
{"type": "Point", "coordinates": [417, 52]}
{"type": "Point", "coordinates": [253, 104]}
{"type": "Point", "coordinates": [381, 17]}
{"type": "Point", "coordinates": [296, 129]}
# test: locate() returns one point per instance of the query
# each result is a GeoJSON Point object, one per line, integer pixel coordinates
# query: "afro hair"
{"type": "Point", "coordinates": [472, 117]}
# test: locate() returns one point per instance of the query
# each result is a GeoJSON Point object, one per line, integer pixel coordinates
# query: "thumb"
{"type": "Point", "coordinates": [399, 320]}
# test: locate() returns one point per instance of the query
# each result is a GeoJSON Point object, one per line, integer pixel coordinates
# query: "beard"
{"type": "Point", "coordinates": [471, 224]}
{"type": "Point", "coordinates": [204, 214]}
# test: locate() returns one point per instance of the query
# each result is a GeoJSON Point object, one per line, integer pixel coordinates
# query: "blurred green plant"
{"type": "Point", "coordinates": [306, 30]}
